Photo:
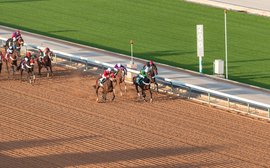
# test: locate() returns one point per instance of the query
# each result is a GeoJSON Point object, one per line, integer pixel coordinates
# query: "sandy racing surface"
{"type": "Point", "coordinates": [57, 123]}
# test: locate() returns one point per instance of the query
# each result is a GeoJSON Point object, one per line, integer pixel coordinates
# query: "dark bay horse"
{"type": "Point", "coordinates": [11, 62]}
{"type": "Point", "coordinates": [119, 79]}
{"type": "Point", "coordinates": [106, 88]}
{"type": "Point", "coordinates": [144, 85]}
{"type": "Point", "coordinates": [29, 69]}
{"type": "Point", "coordinates": [47, 63]}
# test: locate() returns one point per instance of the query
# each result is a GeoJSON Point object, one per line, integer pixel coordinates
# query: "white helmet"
{"type": "Point", "coordinates": [109, 69]}
{"type": "Point", "coordinates": [10, 47]}
{"type": "Point", "coordinates": [118, 65]}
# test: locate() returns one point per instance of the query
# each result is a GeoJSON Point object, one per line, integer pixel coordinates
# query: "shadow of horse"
{"type": "Point", "coordinates": [119, 79]}
{"type": "Point", "coordinates": [47, 63]}
{"type": "Point", "coordinates": [30, 71]}
{"type": "Point", "coordinates": [144, 85]}
{"type": "Point", "coordinates": [106, 88]}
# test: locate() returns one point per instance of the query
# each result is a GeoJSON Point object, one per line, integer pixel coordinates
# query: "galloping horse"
{"type": "Point", "coordinates": [144, 85]}
{"type": "Point", "coordinates": [46, 62]}
{"type": "Point", "coordinates": [11, 62]}
{"type": "Point", "coordinates": [106, 88]}
{"type": "Point", "coordinates": [120, 78]}
{"type": "Point", "coordinates": [18, 43]}
{"type": "Point", "coordinates": [30, 71]}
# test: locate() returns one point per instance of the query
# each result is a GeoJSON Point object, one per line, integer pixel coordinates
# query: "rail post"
{"type": "Point", "coordinates": [209, 95]}
{"type": "Point", "coordinates": [228, 101]}
{"type": "Point", "coordinates": [86, 65]}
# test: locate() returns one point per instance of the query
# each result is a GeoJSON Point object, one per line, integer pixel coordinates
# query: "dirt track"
{"type": "Point", "coordinates": [57, 123]}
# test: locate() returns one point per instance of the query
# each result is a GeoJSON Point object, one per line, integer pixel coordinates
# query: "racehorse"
{"type": "Point", "coordinates": [106, 88]}
{"type": "Point", "coordinates": [120, 78]}
{"type": "Point", "coordinates": [11, 62]}
{"type": "Point", "coordinates": [144, 85]}
{"type": "Point", "coordinates": [18, 44]}
{"type": "Point", "coordinates": [30, 71]}
{"type": "Point", "coordinates": [46, 62]}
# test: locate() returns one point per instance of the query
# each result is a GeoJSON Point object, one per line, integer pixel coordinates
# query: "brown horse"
{"type": "Point", "coordinates": [119, 79]}
{"type": "Point", "coordinates": [11, 62]}
{"type": "Point", "coordinates": [47, 63]}
{"type": "Point", "coordinates": [29, 69]}
{"type": "Point", "coordinates": [144, 85]}
{"type": "Point", "coordinates": [106, 88]}
{"type": "Point", "coordinates": [17, 46]}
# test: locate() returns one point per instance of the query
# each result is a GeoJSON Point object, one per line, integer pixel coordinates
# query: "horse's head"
{"type": "Point", "coordinates": [20, 41]}
{"type": "Point", "coordinates": [151, 75]}
{"type": "Point", "coordinates": [50, 55]}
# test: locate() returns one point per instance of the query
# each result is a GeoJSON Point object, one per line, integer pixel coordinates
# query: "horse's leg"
{"type": "Point", "coordinates": [104, 96]}
{"type": "Point", "coordinates": [97, 87]}
{"type": "Point", "coordinates": [48, 74]}
{"type": "Point", "coordinates": [39, 70]}
{"type": "Point", "coordinates": [7, 66]}
{"type": "Point", "coordinates": [144, 95]}
{"type": "Point", "coordinates": [119, 84]}
{"type": "Point", "coordinates": [51, 70]}
{"type": "Point", "coordinates": [113, 95]}
{"type": "Point", "coordinates": [33, 74]}
{"type": "Point", "coordinates": [125, 85]}
{"type": "Point", "coordinates": [21, 74]}
{"type": "Point", "coordinates": [137, 89]}
{"type": "Point", "coordinates": [151, 100]}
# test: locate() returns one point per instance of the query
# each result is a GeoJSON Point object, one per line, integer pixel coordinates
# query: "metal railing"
{"type": "Point", "coordinates": [189, 88]}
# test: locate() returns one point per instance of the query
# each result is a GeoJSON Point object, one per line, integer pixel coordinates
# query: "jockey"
{"type": "Point", "coordinates": [106, 74]}
{"type": "Point", "coordinates": [13, 36]}
{"type": "Point", "coordinates": [41, 54]}
{"type": "Point", "coordinates": [25, 60]}
{"type": "Point", "coordinates": [18, 34]}
{"type": "Point", "coordinates": [44, 53]}
{"type": "Point", "coordinates": [9, 51]}
{"type": "Point", "coordinates": [119, 66]}
{"type": "Point", "coordinates": [141, 76]}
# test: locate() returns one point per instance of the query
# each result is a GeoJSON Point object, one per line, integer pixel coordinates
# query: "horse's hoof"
{"type": "Point", "coordinates": [139, 95]}
{"type": "Point", "coordinates": [97, 100]}
{"type": "Point", "coordinates": [151, 100]}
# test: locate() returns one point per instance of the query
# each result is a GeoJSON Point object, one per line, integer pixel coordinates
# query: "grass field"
{"type": "Point", "coordinates": [163, 30]}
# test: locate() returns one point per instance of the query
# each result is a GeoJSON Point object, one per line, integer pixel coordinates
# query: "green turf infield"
{"type": "Point", "coordinates": [163, 30]}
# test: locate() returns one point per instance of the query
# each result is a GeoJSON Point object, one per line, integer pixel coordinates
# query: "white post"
{"type": "Point", "coordinates": [200, 45]}
{"type": "Point", "coordinates": [226, 48]}
{"type": "Point", "coordinates": [200, 64]}
{"type": "Point", "coordinates": [131, 52]}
